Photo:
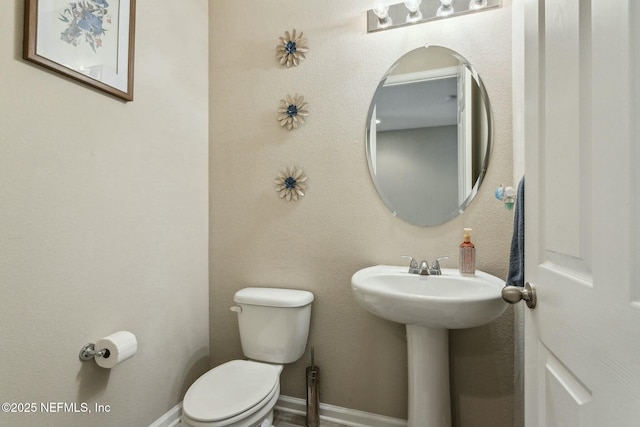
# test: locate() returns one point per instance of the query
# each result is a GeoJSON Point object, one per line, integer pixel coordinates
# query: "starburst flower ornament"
{"type": "Point", "coordinates": [292, 111]}
{"type": "Point", "coordinates": [291, 49]}
{"type": "Point", "coordinates": [290, 183]}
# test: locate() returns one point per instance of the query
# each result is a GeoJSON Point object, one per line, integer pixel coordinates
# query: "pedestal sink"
{"type": "Point", "coordinates": [429, 306]}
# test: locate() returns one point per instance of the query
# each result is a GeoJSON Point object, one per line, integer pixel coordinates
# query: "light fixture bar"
{"type": "Point", "coordinates": [400, 14]}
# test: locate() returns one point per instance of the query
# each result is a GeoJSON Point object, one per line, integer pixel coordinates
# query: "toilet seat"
{"type": "Point", "coordinates": [232, 391]}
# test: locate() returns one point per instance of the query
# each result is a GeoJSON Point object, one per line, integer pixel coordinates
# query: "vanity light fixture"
{"type": "Point", "coordinates": [385, 15]}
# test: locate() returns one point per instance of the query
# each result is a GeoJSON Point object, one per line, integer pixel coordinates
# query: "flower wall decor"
{"type": "Point", "coordinates": [290, 183]}
{"type": "Point", "coordinates": [292, 111]}
{"type": "Point", "coordinates": [291, 49]}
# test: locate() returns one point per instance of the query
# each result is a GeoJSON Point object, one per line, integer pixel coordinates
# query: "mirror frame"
{"type": "Point", "coordinates": [489, 142]}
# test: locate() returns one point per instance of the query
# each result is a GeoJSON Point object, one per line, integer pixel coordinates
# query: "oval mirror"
{"type": "Point", "coordinates": [428, 136]}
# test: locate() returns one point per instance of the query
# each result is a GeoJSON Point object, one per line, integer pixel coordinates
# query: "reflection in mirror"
{"type": "Point", "coordinates": [428, 136]}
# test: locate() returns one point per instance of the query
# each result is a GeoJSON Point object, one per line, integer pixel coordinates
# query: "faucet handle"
{"type": "Point", "coordinates": [436, 265]}
{"type": "Point", "coordinates": [413, 264]}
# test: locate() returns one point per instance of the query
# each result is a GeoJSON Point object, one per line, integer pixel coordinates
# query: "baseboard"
{"type": "Point", "coordinates": [293, 405]}
{"type": "Point", "coordinates": [339, 415]}
{"type": "Point", "coordinates": [170, 419]}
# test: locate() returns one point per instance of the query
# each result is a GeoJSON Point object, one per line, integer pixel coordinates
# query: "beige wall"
{"type": "Point", "coordinates": [103, 224]}
{"type": "Point", "coordinates": [341, 225]}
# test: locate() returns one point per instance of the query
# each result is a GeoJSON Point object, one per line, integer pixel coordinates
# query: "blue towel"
{"type": "Point", "coordinates": [516, 258]}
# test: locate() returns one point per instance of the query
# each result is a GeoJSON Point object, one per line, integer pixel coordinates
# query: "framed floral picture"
{"type": "Point", "coordinates": [90, 41]}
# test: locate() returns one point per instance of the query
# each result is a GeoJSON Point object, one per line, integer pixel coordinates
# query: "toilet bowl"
{"type": "Point", "coordinates": [274, 327]}
{"type": "Point", "coordinates": [236, 393]}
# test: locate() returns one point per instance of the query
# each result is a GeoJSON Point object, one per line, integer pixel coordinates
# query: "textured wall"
{"type": "Point", "coordinates": [103, 224]}
{"type": "Point", "coordinates": [341, 225]}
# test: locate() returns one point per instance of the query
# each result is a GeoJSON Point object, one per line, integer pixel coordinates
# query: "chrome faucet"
{"type": "Point", "coordinates": [424, 269]}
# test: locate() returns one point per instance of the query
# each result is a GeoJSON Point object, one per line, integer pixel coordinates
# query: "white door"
{"type": "Point", "coordinates": [582, 131]}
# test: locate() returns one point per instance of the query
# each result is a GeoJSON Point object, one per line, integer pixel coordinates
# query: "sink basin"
{"type": "Point", "coordinates": [450, 301]}
{"type": "Point", "coordinates": [429, 306]}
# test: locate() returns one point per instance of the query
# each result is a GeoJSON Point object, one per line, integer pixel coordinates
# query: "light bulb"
{"type": "Point", "coordinates": [413, 5]}
{"type": "Point", "coordinates": [477, 4]}
{"type": "Point", "coordinates": [445, 8]}
{"type": "Point", "coordinates": [381, 10]}
{"type": "Point", "coordinates": [414, 10]}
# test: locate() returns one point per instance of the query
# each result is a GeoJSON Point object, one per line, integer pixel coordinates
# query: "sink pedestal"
{"type": "Point", "coordinates": [428, 360]}
{"type": "Point", "coordinates": [429, 306]}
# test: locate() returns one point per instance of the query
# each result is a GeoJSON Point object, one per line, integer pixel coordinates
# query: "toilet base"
{"type": "Point", "coordinates": [269, 421]}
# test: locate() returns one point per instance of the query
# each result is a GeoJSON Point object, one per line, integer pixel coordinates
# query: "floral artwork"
{"type": "Point", "coordinates": [291, 49]}
{"type": "Point", "coordinates": [292, 111]}
{"type": "Point", "coordinates": [89, 41]}
{"type": "Point", "coordinates": [86, 19]}
{"type": "Point", "coordinates": [290, 183]}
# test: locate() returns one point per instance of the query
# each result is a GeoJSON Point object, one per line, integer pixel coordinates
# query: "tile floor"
{"type": "Point", "coordinates": [281, 419]}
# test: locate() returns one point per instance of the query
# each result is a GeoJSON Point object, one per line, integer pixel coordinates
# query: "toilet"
{"type": "Point", "coordinates": [274, 326]}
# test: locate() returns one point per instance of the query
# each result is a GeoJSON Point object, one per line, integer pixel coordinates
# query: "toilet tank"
{"type": "Point", "coordinates": [274, 323]}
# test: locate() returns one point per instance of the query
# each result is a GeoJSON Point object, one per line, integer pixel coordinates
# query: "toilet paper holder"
{"type": "Point", "coordinates": [111, 350]}
{"type": "Point", "coordinates": [88, 352]}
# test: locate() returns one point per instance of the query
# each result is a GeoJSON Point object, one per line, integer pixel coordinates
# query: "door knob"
{"type": "Point", "coordinates": [515, 294]}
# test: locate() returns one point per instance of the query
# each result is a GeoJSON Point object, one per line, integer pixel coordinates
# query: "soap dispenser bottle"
{"type": "Point", "coordinates": [467, 254]}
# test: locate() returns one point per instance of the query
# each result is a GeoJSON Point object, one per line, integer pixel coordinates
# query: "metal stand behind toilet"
{"type": "Point", "coordinates": [313, 400]}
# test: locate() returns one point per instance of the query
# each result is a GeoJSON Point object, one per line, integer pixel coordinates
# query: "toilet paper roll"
{"type": "Point", "coordinates": [119, 347]}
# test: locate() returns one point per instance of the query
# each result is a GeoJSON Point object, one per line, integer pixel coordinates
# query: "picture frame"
{"type": "Point", "coordinates": [89, 41]}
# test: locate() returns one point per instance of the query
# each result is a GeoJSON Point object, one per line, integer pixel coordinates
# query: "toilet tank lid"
{"type": "Point", "coordinates": [273, 297]}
